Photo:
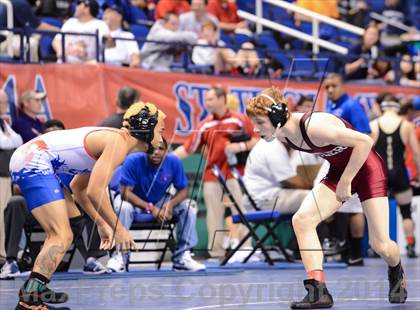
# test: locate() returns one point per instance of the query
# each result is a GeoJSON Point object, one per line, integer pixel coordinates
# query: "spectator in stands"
{"type": "Point", "coordinates": [119, 52]}
{"type": "Point", "coordinates": [9, 140]}
{"type": "Point", "coordinates": [27, 124]}
{"type": "Point", "coordinates": [271, 67]}
{"type": "Point", "coordinates": [160, 56]}
{"type": "Point", "coordinates": [145, 180]}
{"type": "Point", "coordinates": [226, 12]}
{"type": "Point", "coordinates": [193, 20]}
{"type": "Point", "coordinates": [381, 70]}
{"type": "Point", "coordinates": [17, 216]}
{"type": "Point", "coordinates": [164, 7]}
{"type": "Point", "coordinates": [223, 59]}
{"type": "Point", "coordinates": [82, 48]}
{"type": "Point", "coordinates": [341, 104]}
{"type": "Point", "coordinates": [410, 71]}
{"type": "Point", "coordinates": [215, 133]}
{"type": "Point", "coordinates": [23, 16]}
{"type": "Point", "coordinates": [363, 55]}
{"type": "Point", "coordinates": [146, 8]}
{"type": "Point", "coordinates": [325, 7]}
{"type": "Point", "coordinates": [358, 15]}
{"type": "Point", "coordinates": [125, 98]}
{"type": "Point", "coordinates": [394, 11]}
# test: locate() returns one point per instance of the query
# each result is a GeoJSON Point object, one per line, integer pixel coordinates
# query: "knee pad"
{"type": "Point", "coordinates": [77, 224]}
{"type": "Point", "coordinates": [405, 211]}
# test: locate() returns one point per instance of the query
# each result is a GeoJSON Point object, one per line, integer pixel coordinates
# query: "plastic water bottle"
{"type": "Point", "coordinates": [232, 159]}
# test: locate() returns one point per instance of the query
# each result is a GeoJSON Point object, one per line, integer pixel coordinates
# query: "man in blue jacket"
{"type": "Point", "coordinates": [144, 184]}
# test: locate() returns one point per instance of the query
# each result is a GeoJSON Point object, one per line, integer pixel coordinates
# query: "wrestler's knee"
{"type": "Point", "coordinates": [303, 221]}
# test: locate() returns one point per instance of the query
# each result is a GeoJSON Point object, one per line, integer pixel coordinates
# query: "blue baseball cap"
{"type": "Point", "coordinates": [114, 7]}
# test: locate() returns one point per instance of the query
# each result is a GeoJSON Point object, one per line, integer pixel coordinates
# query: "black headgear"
{"type": "Point", "coordinates": [142, 125]}
{"type": "Point", "coordinates": [277, 113]}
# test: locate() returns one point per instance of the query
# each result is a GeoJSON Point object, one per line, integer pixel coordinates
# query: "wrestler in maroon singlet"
{"type": "Point", "coordinates": [369, 182]}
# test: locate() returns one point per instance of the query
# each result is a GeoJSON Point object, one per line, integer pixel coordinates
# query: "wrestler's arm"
{"type": "Point", "coordinates": [375, 130]}
{"type": "Point", "coordinates": [91, 191]}
{"type": "Point", "coordinates": [414, 145]}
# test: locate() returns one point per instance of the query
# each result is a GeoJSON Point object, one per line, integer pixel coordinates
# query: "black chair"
{"type": "Point", "coordinates": [33, 247]}
{"type": "Point", "coordinates": [146, 221]}
{"type": "Point", "coordinates": [252, 220]}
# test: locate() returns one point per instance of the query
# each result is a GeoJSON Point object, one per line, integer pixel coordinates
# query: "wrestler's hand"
{"type": "Point", "coordinates": [343, 191]}
{"type": "Point", "coordinates": [123, 240]}
{"type": "Point", "coordinates": [106, 234]}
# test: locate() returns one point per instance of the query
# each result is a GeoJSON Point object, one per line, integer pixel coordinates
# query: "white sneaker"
{"type": "Point", "coordinates": [243, 253]}
{"type": "Point", "coordinates": [93, 266]}
{"type": "Point", "coordinates": [9, 270]}
{"type": "Point", "coordinates": [188, 263]}
{"type": "Point", "coordinates": [116, 263]}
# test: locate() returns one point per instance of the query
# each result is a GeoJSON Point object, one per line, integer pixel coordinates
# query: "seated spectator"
{"type": "Point", "coordinates": [193, 20]}
{"type": "Point", "coordinates": [363, 55]}
{"type": "Point", "coordinates": [145, 180]}
{"type": "Point", "coordinates": [17, 216]}
{"type": "Point", "coordinates": [23, 16]}
{"type": "Point", "coordinates": [119, 52]}
{"type": "Point", "coordinates": [164, 7]}
{"type": "Point", "coordinates": [160, 56]}
{"type": "Point", "coordinates": [145, 8]}
{"type": "Point", "coordinates": [271, 67]}
{"type": "Point", "coordinates": [325, 7]}
{"type": "Point", "coordinates": [221, 58]}
{"type": "Point", "coordinates": [393, 10]}
{"type": "Point", "coordinates": [81, 48]}
{"type": "Point", "coordinates": [381, 70]}
{"type": "Point", "coordinates": [9, 140]}
{"type": "Point", "coordinates": [274, 186]}
{"type": "Point", "coordinates": [359, 14]}
{"type": "Point", "coordinates": [125, 98]}
{"type": "Point", "coordinates": [27, 124]}
{"type": "Point", "coordinates": [410, 71]}
{"type": "Point", "coordinates": [226, 12]}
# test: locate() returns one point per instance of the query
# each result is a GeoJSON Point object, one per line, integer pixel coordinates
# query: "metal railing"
{"type": "Point", "coordinates": [185, 62]}
{"type": "Point", "coordinates": [316, 18]}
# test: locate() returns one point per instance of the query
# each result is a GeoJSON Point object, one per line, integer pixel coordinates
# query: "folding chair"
{"type": "Point", "coordinates": [33, 247]}
{"type": "Point", "coordinates": [270, 228]}
{"type": "Point", "coordinates": [146, 221]}
{"type": "Point", "coordinates": [257, 218]}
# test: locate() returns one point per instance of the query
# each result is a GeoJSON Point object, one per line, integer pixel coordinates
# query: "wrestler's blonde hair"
{"type": "Point", "coordinates": [261, 105]}
{"type": "Point", "coordinates": [136, 107]}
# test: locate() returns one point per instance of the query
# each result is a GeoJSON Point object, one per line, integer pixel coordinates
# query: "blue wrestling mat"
{"type": "Point", "coordinates": [149, 273]}
{"type": "Point", "coordinates": [263, 265]}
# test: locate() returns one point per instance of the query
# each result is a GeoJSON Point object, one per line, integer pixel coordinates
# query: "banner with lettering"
{"type": "Point", "coordinates": [83, 95]}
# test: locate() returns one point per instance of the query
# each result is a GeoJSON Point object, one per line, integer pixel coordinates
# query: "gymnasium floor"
{"type": "Point", "coordinates": [255, 286]}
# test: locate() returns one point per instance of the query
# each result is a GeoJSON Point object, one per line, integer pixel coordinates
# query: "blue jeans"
{"type": "Point", "coordinates": [184, 217]}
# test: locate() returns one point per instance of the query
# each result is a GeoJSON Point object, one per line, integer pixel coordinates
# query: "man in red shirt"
{"type": "Point", "coordinates": [215, 134]}
{"type": "Point", "coordinates": [226, 13]}
{"type": "Point", "coordinates": [175, 6]}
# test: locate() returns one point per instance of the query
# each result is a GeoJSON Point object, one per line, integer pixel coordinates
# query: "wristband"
{"type": "Point", "coordinates": [149, 207]}
{"type": "Point", "coordinates": [242, 146]}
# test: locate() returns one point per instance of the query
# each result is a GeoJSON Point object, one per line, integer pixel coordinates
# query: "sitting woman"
{"type": "Point", "coordinates": [222, 58]}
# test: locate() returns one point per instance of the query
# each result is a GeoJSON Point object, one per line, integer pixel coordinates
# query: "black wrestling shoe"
{"type": "Point", "coordinates": [411, 250]}
{"type": "Point", "coordinates": [47, 295]}
{"type": "Point", "coordinates": [316, 298]}
{"type": "Point", "coordinates": [37, 306]}
{"type": "Point", "coordinates": [397, 285]}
